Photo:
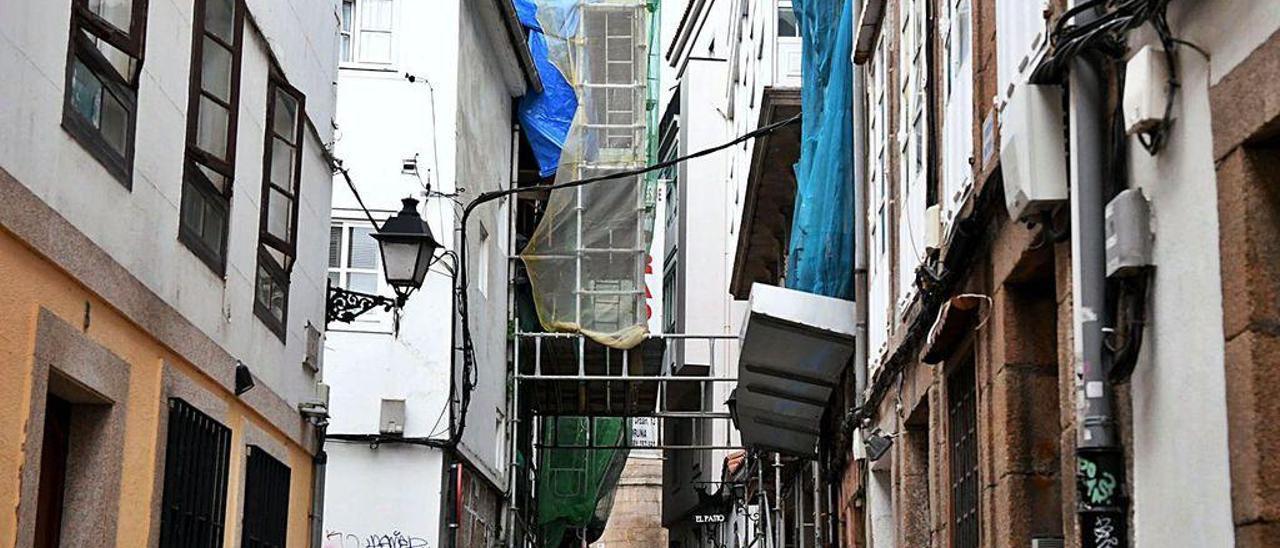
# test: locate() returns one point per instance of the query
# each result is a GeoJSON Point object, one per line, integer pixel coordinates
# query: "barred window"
{"type": "Point", "coordinates": [266, 501]}
{"type": "Point", "coordinates": [197, 458]}
{"type": "Point", "coordinates": [963, 434]}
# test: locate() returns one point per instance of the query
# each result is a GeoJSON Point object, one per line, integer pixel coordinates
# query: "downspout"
{"type": "Point", "coordinates": [319, 464]}
{"type": "Point", "coordinates": [859, 226]}
{"type": "Point", "coordinates": [1101, 505]}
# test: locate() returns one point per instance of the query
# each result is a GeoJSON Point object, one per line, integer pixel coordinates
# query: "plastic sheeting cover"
{"type": "Point", "coordinates": [545, 115]}
{"type": "Point", "coordinates": [820, 258]}
{"type": "Point", "coordinates": [586, 258]}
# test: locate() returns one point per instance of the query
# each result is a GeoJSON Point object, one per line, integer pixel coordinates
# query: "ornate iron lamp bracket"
{"type": "Point", "coordinates": [344, 306]}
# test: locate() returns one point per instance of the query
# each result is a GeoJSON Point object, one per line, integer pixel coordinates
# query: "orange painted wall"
{"type": "Point", "coordinates": [27, 283]}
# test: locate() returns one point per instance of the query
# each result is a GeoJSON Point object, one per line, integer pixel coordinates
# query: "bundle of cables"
{"type": "Point", "coordinates": [1099, 27]}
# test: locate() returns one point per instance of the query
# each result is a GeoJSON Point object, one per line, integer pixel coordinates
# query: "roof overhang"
{"type": "Point", "coordinates": [770, 195]}
{"type": "Point", "coordinates": [794, 347]}
{"type": "Point", "coordinates": [869, 24]}
{"type": "Point", "coordinates": [518, 68]}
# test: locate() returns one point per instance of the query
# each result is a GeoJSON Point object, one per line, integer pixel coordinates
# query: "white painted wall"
{"type": "Point", "coordinates": [1178, 388]}
{"type": "Point", "coordinates": [139, 228]}
{"type": "Point", "coordinates": [462, 145]}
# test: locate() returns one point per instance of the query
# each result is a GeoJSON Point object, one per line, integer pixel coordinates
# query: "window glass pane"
{"type": "Point", "coordinates": [214, 226]}
{"type": "Point", "coordinates": [375, 47]}
{"type": "Point", "coordinates": [262, 289]}
{"type": "Point", "coordinates": [346, 48]}
{"type": "Point", "coordinates": [219, 19]}
{"type": "Point", "coordinates": [86, 92]}
{"type": "Point", "coordinates": [787, 24]}
{"type": "Point", "coordinates": [117, 12]}
{"type": "Point", "coordinates": [215, 72]}
{"type": "Point", "coordinates": [364, 282]}
{"type": "Point", "coordinates": [278, 294]}
{"type": "Point", "coordinates": [279, 213]}
{"type": "Point", "coordinates": [218, 180]}
{"type": "Point", "coordinates": [119, 60]}
{"type": "Point", "coordinates": [192, 209]}
{"type": "Point", "coordinates": [282, 163]}
{"type": "Point", "coordinates": [335, 279]}
{"type": "Point", "coordinates": [211, 131]}
{"type": "Point", "coordinates": [335, 246]}
{"type": "Point", "coordinates": [282, 260]}
{"type": "Point", "coordinates": [363, 249]}
{"type": "Point", "coordinates": [375, 14]}
{"type": "Point", "coordinates": [115, 123]}
{"type": "Point", "coordinates": [286, 112]}
{"type": "Point", "coordinates": [348, 14]}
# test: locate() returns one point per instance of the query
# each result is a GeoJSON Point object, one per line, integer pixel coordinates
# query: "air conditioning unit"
{"type": "Point", "coordinates": [1033, 150]}
{"type": "Point", "coordinates": [391, 420]}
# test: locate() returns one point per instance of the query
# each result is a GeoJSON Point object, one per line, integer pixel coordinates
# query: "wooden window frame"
{"type": "Point", "coordinates": [124, 88]}
{"type": "Point", "coordinates": [279, 273]}
{"type": "Point", "coordinates": [194, 180]}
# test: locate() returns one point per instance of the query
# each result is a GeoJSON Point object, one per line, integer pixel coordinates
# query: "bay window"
{"type": "Point", "coordinates": [209, 169]}
{"type": "Point", "coordinates": [103, 60]}
{"type": "Point", "coordinates": [278, 224]}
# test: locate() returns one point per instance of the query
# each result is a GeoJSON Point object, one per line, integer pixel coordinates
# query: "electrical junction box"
{"type": "Point", "coordinates": [1033, 150]}
{"type": "Point", "coordinates": [391, 421]}
{"type": "Point", "coordinates": [933, 227]}
{"type": "Point", "coordinates": [1128, 233]}
{"type": "Point", "coordinates": [1146, 90]}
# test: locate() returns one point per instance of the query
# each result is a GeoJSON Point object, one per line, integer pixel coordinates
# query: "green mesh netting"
{"type": "Point", "coordinates": [576, 486]}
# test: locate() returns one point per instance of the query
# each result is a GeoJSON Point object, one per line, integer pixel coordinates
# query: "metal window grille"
{"type": "Point", "coordinates": [197, 456]}
{"type": "Point", "coordinates": [963, 430]}
{"type": "Point", "coordinates": [266, 501]}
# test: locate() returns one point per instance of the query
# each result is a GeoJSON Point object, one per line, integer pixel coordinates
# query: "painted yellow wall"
{"type": "Point", "coordinates": [27, 283]}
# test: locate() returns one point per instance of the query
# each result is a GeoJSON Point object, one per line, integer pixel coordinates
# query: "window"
{"type": "Point", "coordinates": [104, 56]}
{"type": "Point", "coordinates": [963, 437]}
{"type": "Point", "coordinates": [788, 27]}
{"type": "Point", "coordinates": [367, 31]}
{"type": "Point", "coordinates": [355, 265]}
{"type": "Point", "coordinates": [482, 269]}
{"type": "Point", "coordinates": [669, 281]}
{"type": "Point", "coordinates": [197, 457]}
{"type": "Point", "coordinates": [211, 130]}
{"type": "Point", "coordinates": [266, 501]}
{"type": "Point", "coordinates": [278, 224]}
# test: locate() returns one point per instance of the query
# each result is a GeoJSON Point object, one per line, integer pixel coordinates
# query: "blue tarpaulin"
{"type": "Point", "coordinates": [820, 258]}
{"type": "Point", "coordinates": [546, 116]}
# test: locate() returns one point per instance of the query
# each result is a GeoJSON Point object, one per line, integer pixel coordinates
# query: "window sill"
{"type": "Point", "coordinates": [368, 67]}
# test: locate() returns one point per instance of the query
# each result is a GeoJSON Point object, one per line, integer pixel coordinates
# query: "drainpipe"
{"type": "Point", "coordinates": [1101, 505]}
{"type": "Point", "coordinates": [859, 226]}
{"type": "Point", "coordinates": [319, 463]}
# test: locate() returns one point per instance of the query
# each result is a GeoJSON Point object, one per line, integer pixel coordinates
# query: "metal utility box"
{"type": "Point", "coordinates": [1033, 150]}
{"type": "Point", "coordinates": [1128, 232]}
{"type": "Point", "coordinates": [391, 420]}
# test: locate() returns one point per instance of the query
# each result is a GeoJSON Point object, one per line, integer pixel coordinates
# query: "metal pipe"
{"type": "Point", "coordinates": [859, 229]}
{"type": "Point", "coordinates": [1101, 503]}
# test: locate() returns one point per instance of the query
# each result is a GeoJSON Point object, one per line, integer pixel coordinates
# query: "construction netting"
{"type": "Point", "coordinates": [578, 477]}
{"type": "Point", "coordinates": [586, 259]}
{"type": "Point", "coordinates": [820, 259]}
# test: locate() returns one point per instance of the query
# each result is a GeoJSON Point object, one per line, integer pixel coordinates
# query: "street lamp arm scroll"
{"type": "Point", "coordinates": [344, 305]}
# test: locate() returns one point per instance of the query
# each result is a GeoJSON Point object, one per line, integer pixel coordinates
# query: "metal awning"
{"type": "Point", "coordinates": [794, 347]}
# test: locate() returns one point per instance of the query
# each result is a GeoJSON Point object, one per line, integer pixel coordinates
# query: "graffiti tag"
{"type": "Point", "coordinates": [1104, 533]}
{"type": "Point", "coordinates": [1099, 488]}
{"type": "Point", "coordinates": [394, 539]}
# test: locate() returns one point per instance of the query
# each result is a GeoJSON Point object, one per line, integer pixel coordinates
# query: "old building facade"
{"type": "Point", "coordinates": [166, 181]}
{"type": "Point", "coordinates": [979, 345]}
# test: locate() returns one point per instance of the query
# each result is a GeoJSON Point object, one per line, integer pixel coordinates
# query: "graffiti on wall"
{"type": "Point", "coordinates": [393, 539]}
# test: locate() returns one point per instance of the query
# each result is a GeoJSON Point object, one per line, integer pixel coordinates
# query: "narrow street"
{"type": "Point", "coordinates": [639, 273]}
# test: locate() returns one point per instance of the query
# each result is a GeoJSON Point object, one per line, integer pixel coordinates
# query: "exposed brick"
{"type": "Point", "coordinates": [1253, 411]}
{"type": "Point", "coordinates": [1257, 535]}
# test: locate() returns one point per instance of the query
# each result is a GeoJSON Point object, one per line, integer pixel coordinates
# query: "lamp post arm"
{"type": "Point", "coordinates": [343, 305]}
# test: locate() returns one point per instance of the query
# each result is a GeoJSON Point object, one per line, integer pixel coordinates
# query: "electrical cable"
{"type": "Point", "coordinates": [468, 345]}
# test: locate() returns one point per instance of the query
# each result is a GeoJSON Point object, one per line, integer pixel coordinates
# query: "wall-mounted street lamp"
{"type": "Point", "coordinates": [408, 250]}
